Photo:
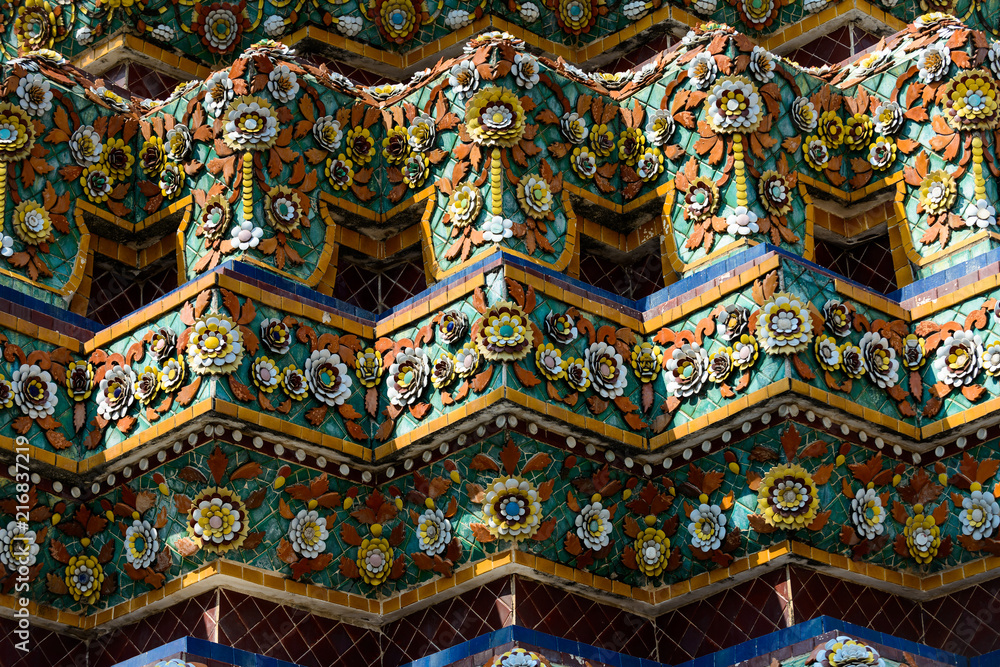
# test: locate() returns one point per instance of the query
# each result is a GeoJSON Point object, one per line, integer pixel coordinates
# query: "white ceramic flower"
{"type": "Point", "coordinates": [498, 228]}
{"type": "Point", "coordinates": [529, 12]}
{"type": "Point", "coordinates": [34, 94]}
{"type": "Point", "coordinates": [350, 25]}
{"type": "Point", "coordinates": [702, 70]}
{"type": "Point", "coordinates": [687, 370]}
{"type": "Point", "coordinates": [607, 370]}
{"type": "Point", "coordinates": [933, 62]}
{"type": "Point", "coordinates": [274, 25]}
{"type": "Point", "coordinates": [328, 377]}
{"type": "Point", "coordinates": [433, 532]}
{"type": "Point", "coordinates": [17, 546]}
{"type": "Point", "coordinates": [980, 213]}
{"type": "Point", "coordinates": [283, 84]}
{"type": "Point", "coordinates": [742, 222]}
{"type": "Point", "coordinates": [116, 393]}
{"type": "Point", "coordinates": [408, 376]}
{"type": "Point", "coordinates": [888, 118]}
{"type": "Point", "coordinates": [785, 325]}
{"type": "Point", "coordinates": [142, 544]}
{"type": "Point", "coordinates": [308, 533]}
{"type": "Point", "coordinates": [804, 115]}
{"type": "Point", "coordinates": [458, 18]}
{"type": "Point", "coordinates": [34, 391]}
{"type": "Point", "coordinates": [218, 93]}
{"type": "Point", "coordinates": [525, 70]}
{"type": "Point", "coordinates": [246, 235]}
{"type": "Point", "coordinates": [867, 514]}
{"type": "Point", "coordinates": [251, 124]}
{"type": "Point", "coordinates": [464, 79]}
{"type": "Point", "coordinates": [573, 128]}
{"type": "Point", "coordinates": [879, 359]}
{"type": "Point", "coordinates": [707, 527]}
{"type": "Point", "coordinates": [85, 146]}
{"type": "Point", "coordinates": [660, 127]}
{"type": "Point", "coordinates": [762, 64]}
{"type": "Point", "coordinates": [959, 359]}
{"type": "Point", "coordinates": [215, 345]}
{"type": "Point", "coordinates": [593, 526]}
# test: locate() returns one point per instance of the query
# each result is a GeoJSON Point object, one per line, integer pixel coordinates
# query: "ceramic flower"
{"type": "Point", "coordinates": [251, 124]}
{"type": "Point", "coordinates": [283, 84]}
{"type": "Point", "coordinates": [980, 214]}
{"type": "Point", "coordinates": [433, 532]}
{"type": "Point", "coordinates": [525, 70]}
{"type": "Point", "coordinates": [858, 131]}
{"type": "Point", "coordinates": [294, 383]}
{"type": "Point", "coordinates": [851, 361]}
{"type": "Point", "coordinates": [970, 100]}
{"type": "Point", "coordinates": [368, 367]}
{"type": "Point", "coordinates": [732, 322]}
{"type": "Point", "coordinates": [116, 392]}
{"type": "Point", "coordinates": [867, 514]}
{"type": "Point", "coordinates": [593, 525]}
{"type": "Point", "coordinates": [146, 385]}
{"type": "Point", "coordinates": [79, 380]}
{"type": "Point", "coordinates": [879, 359]}
{"type": "Point", "coordinates": [162, 343]}
{"type": "Point", "coordinates": [511, 508]}
{"type": "Point", "coordinates": [307, 533]}
{"type": "Point", "coordinates": [31, 223]}
{"type": "Point", "coordinates": [171, 180]}
{"type": "Point", "coordinates": [6, 394]}
{"type": "Point", "coordinates": [647, 360]}
{"type": "Point", "coordinates": [578, 374]}
{"type": "Point", "coordinates": [742, 222]}
{"type": "Point", "coordinates": [573, 128]}
{"type": "Point", "coordinates": [422, 133]}
{"type": "Point", "coordinates": [284, 210]}
{"type": "Point", "coordinates": [215, 345]}
{"type": "Point", "coordinates": [888, 118]}
{"type": "Point", "coordinates": [804, 115]}
{"type": "Point", "coordinates": [464, 79]}
{"type": "Point", "coordinates": [505, 333]}
{"type": "Point", "coordinates": [34, 391]}
{"type": "Point", "coordinates": [467, 361]}
{"type": "Point", "coordinates": [328, 133]}
{"type": "Point", "coordinates": [396, 145]}
{"type": "Point", "coordinates": [845, 652]}
{"type": "Point", "coordinates": [785, 325]}
{"type": "Point", "coordinates": [707, 527]}
{"type": "Point", "coordinates": [218, 93]}
{"type": "Point", "coordinates": [602, 140]}
{"type": "Point", "coordinates": [631, 145]}
{"type": "Point", "coordinates": [775, 193]}
{"type": "Point", "coordinates": [408, 376]}
{"type": "Point", "coordinates": [702, 199]}
{"type": "Point", "coordinates": [872, 62]}
{"type": "Point", "coordinates": [788, 498]}
{"type": "Point", "coordinates": [733, 106]}
{"type": "Point", "coordinates": [702, 70]}
{"type": "Point", "coordinates": [85, 146]}
{"type": "Point", "coordinates": [827, 353]}
{"type": "Point", "coordinates": [340, 172]}
{"type": "Point", "coordinates": [218, 519]}
{"type": "Point", "coordinates": [178, 143]}
{"type": "Point", "coordinates": [959, 359]}
{"type": "Point", "coordinates": [607, 372]}
{"type": "Point", "coordinates": [34, 94]}
{"type": "Point", "coordinates": [687, 370]}
{"type": "Point", "coordinates": [937, 192]}
{"type": "Point", "coordinates": [583, 162]}
{"type": "Point", "coordinates": [84, 577]}
{"type": "Point", "coordinates": [464, 205]}
{"type": "Point", "coordinates": [443, 370]}
{"type": "Point", "coordinates": [561, 328]}
{"type": "Point", "coordinates": [649, 165]}
{"type": "Point", "coordinates": [172, 375]}
{"type": "Point", "coordinates": [923, 536]}
{"type": "Point", "coordinates": [652, 551]}
{"type": "Point", "coordinates": [914, 352]}
{"type": "Point", "coordinates": [18, 547]}
{"type": "Point", "coordinates": [535, 196]}
{"type": "Point", "coordinates": [933, 63]}
{"type": "Point", "coordinates": [831, 129]}
{"type": "Point", "coordinates": [576, 17]}
{"type": "Point", "coordinates": [549, 361]}
{"type": "Point", "coordinates": [498, 228]}
{"type": "Point", "coordinates": [720, 365]}
{"type": "Point", "coordinates": [980, 514]}
{"type": "Point", "coordinates": [265, 374]}
{"type": "Point", "coordinates": [882, 153]}
{"type": "Point", "coordinates": [744, 352]}
{"type": "Point", "coordinates": [660, 127]}
{"type": "Point", "coordinates": [142, 544]}
{"type": "Point", "coordinates": [327, 377]}
{"type": "Point", "coordinates": [816, 152]}
{"type": "Point", "coordinates": [494, 117]}
{"type": "Point", "coordinates": [452, 326]}
{"type": "Point", "coordinates": [220, 25]}
{"type": "Point", "coordinates": [762, 64]}
{"type": "Point", "coordinates": [275, 335]}
{"type": "Point", "coordinates": [991, 359]}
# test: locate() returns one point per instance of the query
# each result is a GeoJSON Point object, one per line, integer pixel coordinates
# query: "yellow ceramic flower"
{"type": "Point", "coordinates": [215, 345]}
{"type": "Point", "coordinates": [831, 129]}
{"type": "Point", "coordinates": [785, 325]}
{"type": "Point", "coordinates": [218, 519]}
{"type": "Point", "coordinates": [17, 133]}
{"type": "Point", "coordinates": [79, 380]}
{"type": "Point", "coordinates": [971, 100]}
{"type": "Point", "coordinates": [117, 159]}
{"type": "Point", "coordinates": [923, 535]}
{"type": "Point", "coordinates": [647, 360]}
{"type": "Point", "coordinates": [360, 146]}
{"type": "Point", "coordinates": [937, 192]}
{"type": "Point", "coordinates": [84, 578]}
{"type": "Point", "coordinates": [396, 145]}
{"type": "Point", "coordinates": [375, 558]}
{"type": "Point", "coordinates": [494, 117]}
{"type": "Point", "coordinates": [652, 551]}
{"type": "Point", "coordinates": [548, 359]}
{"type": "Point", "coordinates": [788, 498]}
{"type": "Point", "coordinates": [511, 508]}
{"type": "Point", "coordinates": [504, 333]}
{"type": "Point", "coordinates": [368, 367]}
{"type": "Point", "coordinates": [32, 223]}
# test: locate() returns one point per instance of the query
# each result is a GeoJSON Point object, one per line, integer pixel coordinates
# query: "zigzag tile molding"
{"type": "Point", "coordinates": [758, 417]}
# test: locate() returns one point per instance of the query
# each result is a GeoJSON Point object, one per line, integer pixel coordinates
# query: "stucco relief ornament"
{"type": "Point", "coordinates": [785, 325]}
{"type": "Point", "coordinates": [843, 651]}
